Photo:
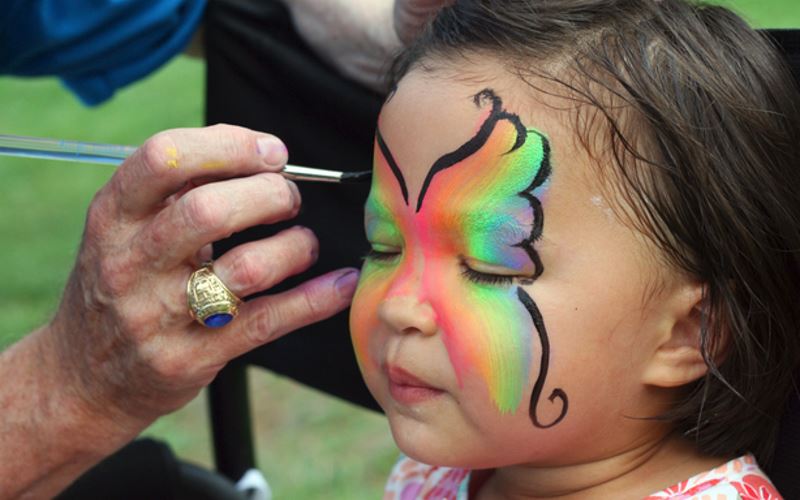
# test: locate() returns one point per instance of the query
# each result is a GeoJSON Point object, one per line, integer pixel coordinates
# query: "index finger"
{"type": "Point", "coordinates": [170, 159]}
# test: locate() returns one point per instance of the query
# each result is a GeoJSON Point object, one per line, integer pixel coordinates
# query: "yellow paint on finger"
{"type": "Point", "coordinates": [172, 153]}
{"type": "Point", "coordinates": [212, 165]}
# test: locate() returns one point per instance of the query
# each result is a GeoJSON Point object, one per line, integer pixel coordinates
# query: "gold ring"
{"type": "Point", "coordinates": [210, 301]}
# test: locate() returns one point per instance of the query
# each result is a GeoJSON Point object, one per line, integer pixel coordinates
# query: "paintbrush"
{"type": "Point", "coordinates": [112, 154]}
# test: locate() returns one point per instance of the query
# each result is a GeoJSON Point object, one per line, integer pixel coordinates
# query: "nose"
{"type": "Point", "coordinates": [408, 314]}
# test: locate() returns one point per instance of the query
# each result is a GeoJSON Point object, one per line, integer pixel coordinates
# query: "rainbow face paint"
{"type": "Point", "coordinates": [478, 211]}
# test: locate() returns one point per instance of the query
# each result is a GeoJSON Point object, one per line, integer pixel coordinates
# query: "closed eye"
{"type": "Point", "coordinates": [382, 253]}
{"type": "Point", "coordinates": [482, 277]}
{"type": "Point", "coordinates": [491, 274]}
{"type": "Point", "coordinates": [485, 278]}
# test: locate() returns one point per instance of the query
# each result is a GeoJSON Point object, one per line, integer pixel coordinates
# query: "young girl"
{"type": "Point", "coordinates": [585, 265]}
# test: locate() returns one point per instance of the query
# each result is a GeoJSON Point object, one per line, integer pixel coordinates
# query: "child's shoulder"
{"type": "Point", "coordinates": [741, 478]}
{"type": "Point", "coordinates": [414, 480]}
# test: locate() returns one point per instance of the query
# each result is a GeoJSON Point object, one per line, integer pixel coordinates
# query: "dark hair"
{"type": "Point", "coordinates": [702, 114]}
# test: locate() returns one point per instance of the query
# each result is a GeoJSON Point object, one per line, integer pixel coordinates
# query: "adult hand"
{"type": "Point", "coordinates": [147, 230]}
{"type": "Point", "coordinates": [361, 37]}
{"type": "Point", "coordinates": [122, 348]}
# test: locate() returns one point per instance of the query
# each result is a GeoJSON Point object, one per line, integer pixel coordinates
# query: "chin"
{"type": "Point", "coordinates": [416, 440]}
{"type": "Point", "coordinates": [429, 446]}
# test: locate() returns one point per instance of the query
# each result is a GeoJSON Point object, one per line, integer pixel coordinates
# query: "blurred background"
{"type": "Point", "coordinates": [42, 209]}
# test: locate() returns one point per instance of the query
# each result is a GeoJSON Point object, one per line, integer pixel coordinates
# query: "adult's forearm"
{"type": "Point", "coordinates": [361, 37]}
{"type": "Point", "coordinates": [48, 435]}
{"type": "Point", "coordinates": [355, 36]}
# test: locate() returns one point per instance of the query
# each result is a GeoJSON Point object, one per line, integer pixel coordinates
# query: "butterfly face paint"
{"type": "Point", "coordinates": [464, 244]}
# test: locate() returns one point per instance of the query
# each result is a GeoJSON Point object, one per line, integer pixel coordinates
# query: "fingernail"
{"type": "Point", "coordinates": [346, 284]}
{"type": "Point", "coordinates": [272, 150]}
{"type": "Point", "coordinates": [295, 193]}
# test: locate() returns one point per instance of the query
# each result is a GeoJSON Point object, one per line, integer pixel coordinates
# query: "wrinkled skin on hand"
{"type": "Point", "coordinates": [122, 349]}
{"type": "Point", "coordinates": [124, 327]}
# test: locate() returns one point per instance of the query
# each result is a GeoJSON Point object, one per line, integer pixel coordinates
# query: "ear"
{"type": "Point", "coordinates": [677, 358]}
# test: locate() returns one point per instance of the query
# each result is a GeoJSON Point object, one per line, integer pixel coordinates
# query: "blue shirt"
{"type": "Point", "coordinates": [94, 46]}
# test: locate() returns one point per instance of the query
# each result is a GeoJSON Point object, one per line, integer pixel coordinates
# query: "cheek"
{"type": "Point", "coordinates": [488, 333]}
{"type": "Point", "coordinates": [371, 289]}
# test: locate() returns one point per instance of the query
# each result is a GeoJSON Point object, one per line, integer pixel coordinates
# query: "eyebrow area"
{"type": "Point", "coordinates": [489, 222]}
{"type": "Point", "coordinates": [498, 225]}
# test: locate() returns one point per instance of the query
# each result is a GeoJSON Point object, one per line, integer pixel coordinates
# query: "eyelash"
{"type": "Point", "coordinates": [375, 255]}
{"type": "Point", "coordinates": [466, 271]}
{"type": "Point", "coordinates": [484, 278]}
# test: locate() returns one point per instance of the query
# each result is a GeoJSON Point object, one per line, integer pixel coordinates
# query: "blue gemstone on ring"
{"type": "Point", "coordinates": [218, 320]}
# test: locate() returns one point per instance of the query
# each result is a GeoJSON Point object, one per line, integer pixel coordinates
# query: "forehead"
{"type": "Point", "coordinates": [433, 112]}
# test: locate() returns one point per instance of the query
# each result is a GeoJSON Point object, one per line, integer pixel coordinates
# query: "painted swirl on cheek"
{"type": "Point", "coordinates": [485, 196]}
{"type": "Point", "coordinates": [485, 328]}
{"type": "Point", "coordinates": [487, 332]}
{"type": "Point", "coordinates": [494, 178]}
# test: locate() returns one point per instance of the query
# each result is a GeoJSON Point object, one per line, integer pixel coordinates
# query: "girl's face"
{"type": "Point", "coordinates": [501, 316]}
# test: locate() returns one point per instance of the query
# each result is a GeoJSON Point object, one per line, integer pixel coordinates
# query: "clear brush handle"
{"type": "Point", "coordinates": [56, 149]}
{"type": "Point", "coordinates": [112, 154]}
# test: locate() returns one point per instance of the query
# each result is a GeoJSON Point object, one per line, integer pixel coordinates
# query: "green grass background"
{"type": "Point", "coordinates": [309, 445]}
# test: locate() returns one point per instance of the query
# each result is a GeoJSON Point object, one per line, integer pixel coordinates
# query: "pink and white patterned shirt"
{"type": "Point", "coordinates": [739, 479]}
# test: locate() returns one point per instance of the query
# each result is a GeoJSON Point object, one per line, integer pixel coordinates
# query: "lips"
{"type": "Point", "coordinates": [405, 388]}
